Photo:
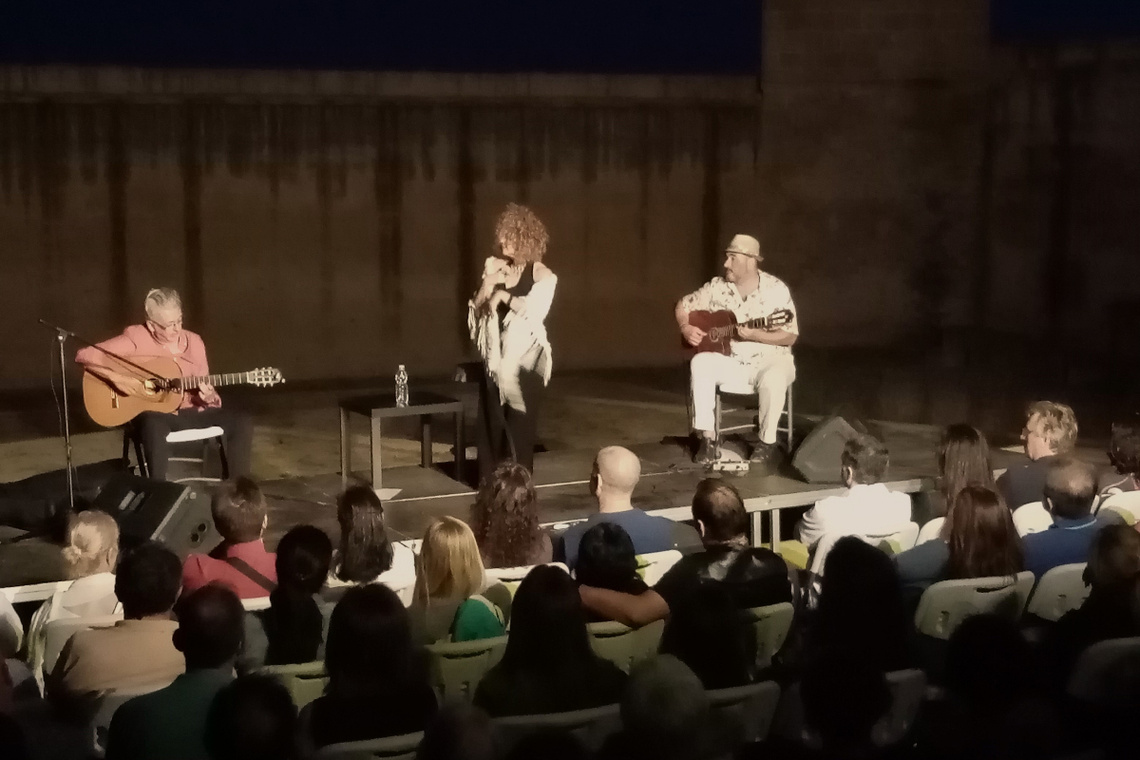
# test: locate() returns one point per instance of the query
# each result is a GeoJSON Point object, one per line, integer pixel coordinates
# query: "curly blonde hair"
{"type": "Point", "coordinates": [522, 229]}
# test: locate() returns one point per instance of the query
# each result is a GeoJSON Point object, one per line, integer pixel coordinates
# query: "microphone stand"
{"type": "Point", "coordinates": [61, 336]}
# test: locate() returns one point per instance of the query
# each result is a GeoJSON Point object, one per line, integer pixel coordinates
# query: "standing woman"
{"type": "Point", "coordinates": [506, 319]}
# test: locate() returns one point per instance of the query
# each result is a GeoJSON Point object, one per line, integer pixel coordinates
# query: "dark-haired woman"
{"type": "Point", "coordinates": [366, 554]}
{"type": "Point", "coordinates": [505, 520]}
{"type": "Point", "coordinates": [606, 559]}
{"type": "Point", "coordinates": [293, 629]}
{"type": "Point", "coordinates": [548, 665]}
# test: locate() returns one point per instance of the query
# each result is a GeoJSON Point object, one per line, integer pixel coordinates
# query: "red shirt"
{"type": "Point", "coordinates": [136, 342]}
{"type": "Point", "coordinates": [201, 569]}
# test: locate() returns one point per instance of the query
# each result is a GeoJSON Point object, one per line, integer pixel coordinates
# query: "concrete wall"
{"type": "Point", "coordinates": [334, 225]}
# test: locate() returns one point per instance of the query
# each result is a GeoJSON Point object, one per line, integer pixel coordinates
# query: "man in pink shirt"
{"type": "Point", "coordinates": [162, 335]}
{"type": "Point", "coordinates": [240, 561]}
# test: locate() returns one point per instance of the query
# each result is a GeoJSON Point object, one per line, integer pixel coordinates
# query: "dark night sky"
{"type": "Point", "coordinates": [623, 36]}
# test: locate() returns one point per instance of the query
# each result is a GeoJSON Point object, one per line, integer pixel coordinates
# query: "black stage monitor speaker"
{"type": "Point", "coordinates": [817, 458]}
{"type": "Point", "coordinates": [170, 513]}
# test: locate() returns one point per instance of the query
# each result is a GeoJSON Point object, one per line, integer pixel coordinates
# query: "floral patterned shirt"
{"type": "Point", "coordinates": [772, 294]}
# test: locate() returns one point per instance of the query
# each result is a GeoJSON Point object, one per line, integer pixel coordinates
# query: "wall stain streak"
{"type": "Point", "coordinates": [118, 175]}
{"type": "Point", "coordinates": [388, 191]}
{"type": "Point", "coordinates": [192, 165]}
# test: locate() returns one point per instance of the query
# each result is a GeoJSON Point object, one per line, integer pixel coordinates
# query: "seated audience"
{"type": "Point", "coordinates": [505, 519]}
{"type": "Point", "coordinates": [447, 604]}
{"type": "Point", "coordinates": [170, 723]}
{"type": "Point", "coordinates": [860, 613]}
{"type": "Point", "coordinates": [378, 683]}
{"type": "Point", "coordinates": [1070, 490]}
{"type": "Point", "coordinates": [1050, 431]}
{"type": "Point", "coordinates": [12, 737]}
{"type": "Point", "coordinates": [992, 710]}
{"type": "Point", "coordinates": [293, 629]}
{"type": "Point", "coordinates": [665, 715]}
{"type": "Point", "coordinates": [844, 698]}
{"type": "Point", "coordinates": [1112, 609]}
{"type": "Point", "coordinates": [979, 540]}
{"type": "Point", "coordinates": [459, 732]}
{"type": "Point", "coordinates": [240, 561]}
{"type": "Point", "coordinates": [707, 633]}
{"type": "Point", "coordinates": [548, 665]}
{"type": "Point", "coordinates": [606, 560]}
{"type": "Point", "coordinates": [253, 718]}
{"type": "Point", "coordinates": [1124, 455]}
{"type": "Point", "coordinates": [753, 576]}
{"type": "Point", "coordinates": [963, 459]}
{"type": "Point", "coordinates": [868, 507]}
{"type": "Point", "coordinates": [612, 482]}
{"type": "Point", "coordinates": [366, 554]}
{"type": "Point", "coordinates": [136, 652]}
{"type": "Point", "coordinates": [549, 744]}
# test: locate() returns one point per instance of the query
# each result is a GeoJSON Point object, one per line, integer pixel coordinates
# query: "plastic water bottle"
{"type": "Point", "coordinates": [401, 386]}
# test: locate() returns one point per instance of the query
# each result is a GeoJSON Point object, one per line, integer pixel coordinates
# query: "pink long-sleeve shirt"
{"type": "Point", "coordinates": [136, 342]}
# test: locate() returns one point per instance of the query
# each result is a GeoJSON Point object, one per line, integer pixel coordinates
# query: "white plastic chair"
{"type": "Point", "coordinates": [930, 531]}
{"type": "Point", "coordinates": [56, 634]}
{"type": "Point", "coordinates": [944, 605]}
{"type": "Point", "coordinates": [653, 565]}
{"type": "Point", "coordinates": [770, 625]}
{"type": "Point", "coordinates": [590, 726]}
{"type": "Point", "coordinates": [189, 435]}
{"type": "Point", "coordinates": [401, 747]}
{"type": "Point", "coordinates": [748, 709]}
{"type": "Point", "coordinates": [785, 425]}
{"type": "Point", "coordinates": [1124, 503]}
{"type": "Point", "coordinates": [1106, 670]}
{"type": "Point", "coordinates": [1060, 590]}
{"type": "Point", "coordinates": [1032, 518]}
{"type": "Point", "coordinates": [457, 667]}
{"type": "Point", "coordinates": [625, 646]}
{"type": "Point", "coordinates": [900, 541]}
{"type": "Point", "coordinates": [304, 682]}
{"type": "Point", "coordinates": [100, 723]}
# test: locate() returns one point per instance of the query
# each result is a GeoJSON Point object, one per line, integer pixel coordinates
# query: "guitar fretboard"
{"type": "Point", "coordinates": [230, 378]}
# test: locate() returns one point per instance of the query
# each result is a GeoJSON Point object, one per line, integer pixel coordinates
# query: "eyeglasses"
{"type": "Point", "coordinates": [175, 325]}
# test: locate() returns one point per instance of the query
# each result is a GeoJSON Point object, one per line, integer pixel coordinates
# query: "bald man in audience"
{"type": "Point", "coordinates": [612, 482]}
{"type": "Point", "coordinates": [1070, 490]}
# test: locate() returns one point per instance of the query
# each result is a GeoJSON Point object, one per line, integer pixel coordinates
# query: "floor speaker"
{"type": "Point", "coordinates": [170, 513]}
{"type": "Point", "coordinates": [818, 458]}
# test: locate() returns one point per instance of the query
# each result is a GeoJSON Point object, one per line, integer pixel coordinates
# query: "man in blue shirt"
{"type": "Point", "coordinates": [1070, 489]}
{"type": "Point", "coordinates": [615, 475]}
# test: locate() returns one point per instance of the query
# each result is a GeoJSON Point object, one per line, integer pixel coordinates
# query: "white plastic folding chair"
{"type": "Point", "coordinates": [746, 710]}
{"type": "Point", "coordinates": [653, 565]}
{"type": "Point", "coordinates": [944, 605]}
{"type": "Point", "coordinates": [402, 747]}
{"type": "Point", "coordinates": [304, 682]}
{"type": "Point", "coordinates": [625, 646]}
{"type": "Point", "coordinates": [770, 625]}
{"type": "Point", "coordinates": [590, 726]}
{"type": "Point", "coordinates": [1126, 504]}
{"type": "Point", "coordinates": [930, 531]}
{"type": "Point", "coordinates": [1059, 590]}
{"type": "Point", "coordinates": [1032, 518]}
{"type": "Point", "coordinates": [56, 634]}
{"type": "Point", "coordinates": [457, 667]}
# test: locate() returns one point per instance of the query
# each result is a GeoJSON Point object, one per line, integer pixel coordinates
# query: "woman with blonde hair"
{"type": "Point", "coordinates": [447, 602]}
{"type": "Point", "coordinates": [507, 321]}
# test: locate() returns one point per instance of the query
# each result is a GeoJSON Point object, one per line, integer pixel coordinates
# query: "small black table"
{"type": "Point", "coordinates": [383, 406]}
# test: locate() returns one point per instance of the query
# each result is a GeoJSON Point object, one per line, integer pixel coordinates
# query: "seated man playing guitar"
{"type": "Point", "coordinates": [756, 354]}
{"type": "Point", "coordinates": [162, 336]}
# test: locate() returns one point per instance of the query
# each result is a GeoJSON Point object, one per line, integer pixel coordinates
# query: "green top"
{"type": "Point", "coordinates": [169, 723]}
{"type": "Point", "coordinates": [477, 618]}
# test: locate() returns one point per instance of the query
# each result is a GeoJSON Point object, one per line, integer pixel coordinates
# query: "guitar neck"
{"type": "Point", "coordinates": [760, 322]}
{"type": "Point", "coordinates": [230, 378]}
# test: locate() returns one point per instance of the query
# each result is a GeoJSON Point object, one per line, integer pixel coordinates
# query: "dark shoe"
{"type": "Point", "coordinates": [766, 453]}
{"type": "Point", "coordinates": [707, 452]}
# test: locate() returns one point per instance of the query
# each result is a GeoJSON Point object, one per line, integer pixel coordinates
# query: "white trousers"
{"type": "Point", "coordinates": [769, 379]}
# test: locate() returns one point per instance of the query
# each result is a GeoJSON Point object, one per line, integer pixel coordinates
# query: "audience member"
{"type": "Point", "coordinates": [753, 576]}
{"type": "Point", "coordinates": [963, 459]}
{"type": "Point", "coordinates": [170, 723]}
{"type": "Point", "coordinates": [1112, 609]}
{"type": "Point", "coordinates": [614, 477]}
{"type": "Point", "coordinates": [606, 559]}
{"type": "Point", "coordinates": [1070, 490]}
{"type": "Point", "coordinates": [548, 665]}
{"type": "Point", "coordinates": [294, 627]}
{"type": "Point", "coordinates": [991, 710]}
{"type": "Point", "coordinates": [707, 632]}
{"type": "Point", "coordinates": [378, 684]}
{"type": "Point", "coordinates": [844, 697]}
{"type": "Point", "coordinates": [978, 541]}
{"type": "Point", "coordinates": [505, 519]}
{"type": "Point", "coordinates": [860, 611]}
{"type": "Point", "coordinates": [447, 603]}
{"type": "Point", "coordinates": [868, 507]}
{"type": "Point", "coordinates": [12, 738]}
{"type": "Point", "coordinates": [665, 715]}
{"type": "Point", "coordinates": [1050, 430]}
{"type": "Point", "coordinates": [366, 553]}
{"type": "Point", "coordinates": [252, 718]}
{"type": "Point", "coordinates": [136, 652]}
{"type": "Point", "coordinates": [549, 744]}
{"type": "Point", "coordinates": [1124, 455]}
{"type": "Point", "coordinates": [459, 732]}
{"type": "Point", "coordinates": [240, 561]}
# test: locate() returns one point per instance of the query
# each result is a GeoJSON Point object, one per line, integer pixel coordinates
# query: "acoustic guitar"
{"type": "Point", "coordinates": [164, 391]}
{"type": "Point", "coordinates": [720, 327]}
